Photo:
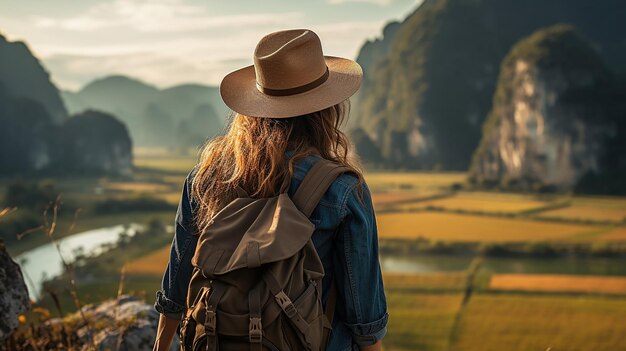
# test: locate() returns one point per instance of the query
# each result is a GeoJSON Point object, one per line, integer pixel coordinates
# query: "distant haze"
{"type": "Point", "coordinates": [168, 42]}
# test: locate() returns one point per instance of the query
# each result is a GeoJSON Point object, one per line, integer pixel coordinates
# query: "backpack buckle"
{"type": "Point", "coordinates": [255, 330]}
{"type": "Point", "coordinates": [209, 322]}
{"type": "Point", "coordinates": [285, 304]}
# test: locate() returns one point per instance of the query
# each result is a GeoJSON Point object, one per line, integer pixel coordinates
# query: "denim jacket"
{"type": "Point", "coordinates": [346, 240]}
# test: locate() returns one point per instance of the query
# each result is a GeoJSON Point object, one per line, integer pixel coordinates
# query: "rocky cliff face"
{"type": "Point", "coordinates": [14, 299]}
{"type": "Point", "coordinates": [430, 84]}
{"type": "Point", "coordinates": [24, 77]}
{"type": "Point", "coordinates": [555, 111]}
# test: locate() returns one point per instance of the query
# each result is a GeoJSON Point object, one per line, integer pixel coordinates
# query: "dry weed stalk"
{"type": "Point", "coordinates": [49, 227]}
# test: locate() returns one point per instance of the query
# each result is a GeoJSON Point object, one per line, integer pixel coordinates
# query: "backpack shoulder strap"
{"type": "Point", "coordinates": [315, 183]}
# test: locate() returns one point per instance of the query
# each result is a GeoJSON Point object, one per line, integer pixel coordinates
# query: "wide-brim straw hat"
{"type": "Point", "coordinates": [290, 77]}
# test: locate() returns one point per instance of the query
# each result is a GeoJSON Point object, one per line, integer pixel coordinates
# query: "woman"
{"type": "Point", "coordinates": [289, 108]}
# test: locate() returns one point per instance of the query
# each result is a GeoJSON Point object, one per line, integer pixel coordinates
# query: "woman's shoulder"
{"type": "Point", "coordinates": [342, 188]}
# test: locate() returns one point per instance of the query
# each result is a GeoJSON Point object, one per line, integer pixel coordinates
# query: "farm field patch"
{"type": "Point", "coordinates": [420, 321]}
{"type": "Point", "coordinates": [153, 263]}
{"type": "Point", "coordinates": [559, 283]}
{"type": "Point", "coordinates": [425, 281]}
{"type": "Point", "coordinates": [406, 181]}
{"type": "Point", "coordinates": [482, 202]}
{"type": "Point", "coordinates": [526, 322]}
{"type": "Point", "coordinates": [169, 164]}
{"type": "Point", "coordinates": [455, 227]}
{"type": "Point", "coordinates": [598, 209]}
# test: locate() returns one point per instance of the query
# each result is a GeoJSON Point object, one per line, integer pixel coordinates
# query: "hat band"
{"type": "Point", "coordinates": [297, 90]}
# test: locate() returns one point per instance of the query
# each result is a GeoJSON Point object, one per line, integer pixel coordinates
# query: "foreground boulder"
{"type": "Point", "coordinates": [14, 299]}
{"type": "Point", "coordinates": [124, 324]}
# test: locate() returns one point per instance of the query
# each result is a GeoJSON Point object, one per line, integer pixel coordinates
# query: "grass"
{"type": "Point", "coordinates": [390, 198]}
{"type": "Point", "coordinates": [403, 181]}
{"type": "Point", "coordinates": [181, 164]}
{"type": "Point", "coordinates": [422, 307]}
{"type": "Point", "coordinates": [592, 208]}
{"type": "Point", "coordinates": [455, 227]}
{"type": "Point", "coordinates": [484, 202]}
{"type": "Point", "coordinates": [151, 264]}
{"type": "Point", "coordinates": [425, 281]}
{"type": "Point", "coordinates": [525, 322]}
{"type": "Point", "coordinates": [559, 283]}
{"type": "Point", "coordinates": [420, 321]}
{"type": "Point", "coordinates": [587, 213]}
{"type": "Point", "coordinates": [616, 234]}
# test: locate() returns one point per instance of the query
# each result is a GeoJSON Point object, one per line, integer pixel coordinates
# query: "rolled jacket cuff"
{"type": "Point", "coordinates": [369, 333]}
{"type": "Point", "coordinates": [171, 309]}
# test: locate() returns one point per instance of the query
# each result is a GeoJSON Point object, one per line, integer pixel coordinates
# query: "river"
{"type": "Point", "coordinates": [44, 262]}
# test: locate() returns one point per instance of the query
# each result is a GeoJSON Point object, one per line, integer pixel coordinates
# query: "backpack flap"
{"type": "Point", "coordinates": [250, 232]}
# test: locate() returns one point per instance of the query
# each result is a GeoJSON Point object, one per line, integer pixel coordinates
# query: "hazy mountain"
{"type": "Point", "coordinates": [430, 80]}
{"type": "Point", "coordinates": [36, 136]}
{"type": "Point", "coordinates": [557, 119]}
{"type": "Point", "coordinates": [23, 76]}
{"type": "Point", "coordinates": [154, 116]}
{"type": "Point", "coordinates": [94, 142]}
{"type": "Point", "coordinates": [26, 129]}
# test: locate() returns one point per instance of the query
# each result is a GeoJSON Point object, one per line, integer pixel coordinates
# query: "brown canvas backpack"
{"type": "Point", "coordinates": [257, 278]}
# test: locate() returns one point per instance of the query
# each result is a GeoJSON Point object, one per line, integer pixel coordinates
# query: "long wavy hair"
{"type": "Point", "coordinates": [251, 154]}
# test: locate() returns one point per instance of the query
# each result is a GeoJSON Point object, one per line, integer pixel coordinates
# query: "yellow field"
{"type": "Point", "coordinates": [616, 234]}
{"type": "Point", "coordinates": [153, 263]}
{"type": "Point", "coordinates": [482, 202]}
{"type": "Point", "coordinates": [420, 321]}
{"type": "Point", "coordinates": [391, 181]}
{"type": "Point", "coordinates": [451, 281]}
{"type": "Point", "coordinates": [169, 164]}
{"type": "Point", "coordinates": [390, 199]}
{"type": "Point", "coordinates": [559, 283]}
{"type": "Point", "coordinates": [588, 212]}
{"type": "Point", "coordinates": [444, 226]}
{"type": "Point", "coordinates": [527, 322]}
{"type": "Point", "coordinates": [136, 187]}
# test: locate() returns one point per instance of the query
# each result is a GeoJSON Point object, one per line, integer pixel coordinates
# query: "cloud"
{"type": "Point", "coordinates": [72, 72]}
{"type": "Point", "coordinates": [173, 61]}
{"type": "Point", "coordinates": [168, 42]}
{"type": "Point", "coordinates": [155, 16]}
{"type": "Point", "coordinates": [374, 2]}
{"type": "Point", "coordinates": [346, 38]}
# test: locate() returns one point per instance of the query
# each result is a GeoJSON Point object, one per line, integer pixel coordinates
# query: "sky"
{"type": "Point", "coordinates": [169, 42]}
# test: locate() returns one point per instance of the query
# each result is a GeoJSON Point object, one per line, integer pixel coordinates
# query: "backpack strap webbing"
{"type": "Point", "coordinates": [315, 183]}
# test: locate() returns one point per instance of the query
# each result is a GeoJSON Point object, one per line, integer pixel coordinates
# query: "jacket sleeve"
{"type": "Point", "coordinates": [171, 298]}
{"type": "Point", "coordinates": [361, 300]}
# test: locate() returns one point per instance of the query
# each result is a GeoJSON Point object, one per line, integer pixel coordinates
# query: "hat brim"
{"type": "Point", "coordinates": [239, 92]}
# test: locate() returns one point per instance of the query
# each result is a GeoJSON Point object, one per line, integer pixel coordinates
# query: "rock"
{"type": "Point", "coordinates": [14, 299]}
{"type": "Point", "coordinates": [124, 324]}
{"type": "Point", "coordinates": [24, 77]}
{"type": "Point", "coordinates": [429, 82]}
{"type": "Point", "coordinates": [557, 116]}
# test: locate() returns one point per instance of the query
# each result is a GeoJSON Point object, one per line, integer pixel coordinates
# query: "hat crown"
{"type": "Point", "coordinates": [288, 60]}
